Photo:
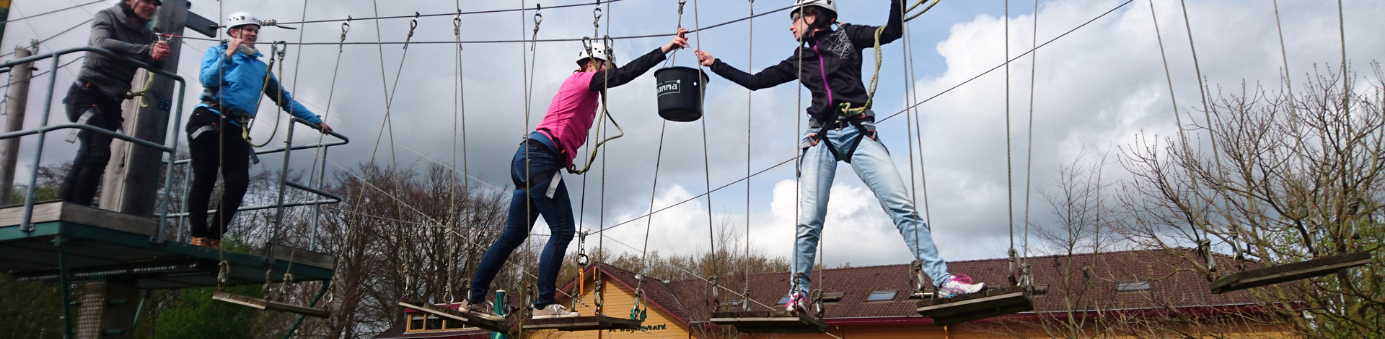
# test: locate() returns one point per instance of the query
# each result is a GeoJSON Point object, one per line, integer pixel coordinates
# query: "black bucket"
{"type": "Point", "coordinates": [680, 93]}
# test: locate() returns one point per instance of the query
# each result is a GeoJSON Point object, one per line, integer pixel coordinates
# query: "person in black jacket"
{"type": "Point", "coordinates": [101, 86]}
{"type": "Point", "coordinates": [842, 128]}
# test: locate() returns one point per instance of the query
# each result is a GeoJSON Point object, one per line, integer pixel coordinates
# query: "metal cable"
{"type": "Point", "coordinates": [52, 11]}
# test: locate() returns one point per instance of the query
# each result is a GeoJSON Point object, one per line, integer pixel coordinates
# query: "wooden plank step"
{"type": "Point", "coordinates": [1289, 272]}
{"type": "Point", "coordinates": [485, 321]}
{"type": "Point", "coordinates": [262, 304]}
{"type": "Point", "coordinates": [770, 322]}
{"type": "Point", "coordinates": [998, 310]}
{"type": "Point", "coordinates": [984, 304]}
{"type": "Point", "coordinates": [587, 323]}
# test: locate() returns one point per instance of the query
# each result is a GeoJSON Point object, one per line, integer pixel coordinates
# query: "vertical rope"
{"type": "Point", "coordinates": [1284, 53]}
{"type": "Point", "coordinates": [707, 162]}
{"type": "Point", "coordinates": [912, 132]}
{"type": "Point", "coordinates": [1178, 118]}
{"type": "Point", "coordinates": [749, 112]}
{"type": "Point", "coordinates": [1029, 156]}
{"type": "Point", "coordinates": [1346, 81]}
{"type": "Point", "coordinates": [1212, 135]}
{"type": "Point", "coordinates": [1009, 173]}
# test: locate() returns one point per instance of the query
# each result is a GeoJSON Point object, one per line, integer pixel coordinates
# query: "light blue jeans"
{"type": "Point", "coordinates": [817, 169]}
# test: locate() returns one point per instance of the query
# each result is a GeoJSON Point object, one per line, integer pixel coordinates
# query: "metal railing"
{"type": "Point", "coordinates": [283, 183]}
{"type": "Point", "coordinates": [42, 131]}
{"type": "Point", "coordinates": [322, 197]}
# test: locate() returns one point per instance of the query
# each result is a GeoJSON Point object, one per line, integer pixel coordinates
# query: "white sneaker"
{"type": "Point", "coordinates": [553, 311]}
{"type": "Point", "coordinates": [797, 303]}
{"type": "Point", "coordinates": [958, 285]}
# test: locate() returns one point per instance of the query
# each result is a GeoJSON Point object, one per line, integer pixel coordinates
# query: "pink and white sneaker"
{"type": "Point", "coordinates": [797, 303]}
{"type": "Point", "coordinates": [958, 285]}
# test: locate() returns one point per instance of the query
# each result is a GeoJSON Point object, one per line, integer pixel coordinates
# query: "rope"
{"type": "Point", "coordinates": [915, 105]}
{"type": "Point", "coordinates": [798, 155]}
{"type": "Point", "coordinates": [457, 13]}
{"type": "Point", "coordinates": [1029, 153]}
{"type": "Point", "coordinates": [875, 79]}
{"type": "Point", "coordinates": [53, 11]}
{"type": "Point", "coordinates": [268, 75]}
{"type": "Point", "coordinates": [1216, 154]}
{"type": "Point", "coordinates": [909, 128]}
{"type": "Point", "coordinates": [429, 221]}
{"type": "Point", "coordinates": [1060, 36]}
{"type": "Point", "coordinates": [749, 113]}
{"type": "Point", "coordinates": [1193, 223]}
{"type": "Point", "coordinates": [522, 41]}
{"type": "Point", "coordinates": [40, 42]}
{"type": "Point", "coordinates": [707, 163]}
{"type": "Point", "coordinates": [1009, 172]}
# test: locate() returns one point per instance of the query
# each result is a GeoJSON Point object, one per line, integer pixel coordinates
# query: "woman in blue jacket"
{"type": "Point", "coordinates": [234, 79]}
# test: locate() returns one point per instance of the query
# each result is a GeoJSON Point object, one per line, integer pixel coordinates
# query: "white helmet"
{"type": "Point", "coordinates": [597, 51]}
{"type": "Point", "coordinates": [830, 5]}
{"type": "Point", "coordinates": [238, 19]}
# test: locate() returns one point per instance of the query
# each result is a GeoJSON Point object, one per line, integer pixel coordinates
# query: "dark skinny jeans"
{"type": "Point", "coordinates": [525, 208]}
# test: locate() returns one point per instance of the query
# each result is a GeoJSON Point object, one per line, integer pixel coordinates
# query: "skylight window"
{"type": "Point", "coordinates": [882, 295]}
{"type": "Point", "coordinates": [1131, 286]}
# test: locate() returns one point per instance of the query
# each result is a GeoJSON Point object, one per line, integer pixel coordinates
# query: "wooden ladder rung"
{"type": "Point", "coordinates": [980, 305]}
{"type": "Point", "coordinates": [262, 304]}
{"type": "Point", "coordinates": [1289, 272]}
{"type": "Point", "coordinates": [770, 322]}
{"type": "Point", "coordinates": [587, 323]}
{"type": "Point", "coordinates": [487, 322]}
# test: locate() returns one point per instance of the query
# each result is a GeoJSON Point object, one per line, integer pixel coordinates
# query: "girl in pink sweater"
{"type": "Point", "coordinates": [539, 189]}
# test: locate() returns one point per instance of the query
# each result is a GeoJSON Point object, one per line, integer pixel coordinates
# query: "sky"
{"type": "Point", "coordinates": [1095, 91]}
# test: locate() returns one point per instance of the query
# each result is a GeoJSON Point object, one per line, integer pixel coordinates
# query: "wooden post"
{"type": "Point", "coordinates": [131, 182]}
{"type": "Point", "coordinates": [19, 98]}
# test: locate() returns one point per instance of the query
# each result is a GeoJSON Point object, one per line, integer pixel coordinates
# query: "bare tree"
{"type": "Point", "coordinates": [1292, 177]}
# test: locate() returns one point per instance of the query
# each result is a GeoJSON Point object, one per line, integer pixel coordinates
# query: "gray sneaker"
{"type": "Point", "coordinates": [553, 311]}
{"type": "Point", "coordinates": [482, 311]}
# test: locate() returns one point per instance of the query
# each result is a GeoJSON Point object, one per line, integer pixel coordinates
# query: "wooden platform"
{"type": "Point", "coordinates": [770, 322]}
{"type": "Point", "coordinates": [985, 304]}
{"type": "Point", "coordinates": [262, 304]}
{"type": "Point", "coordinates": [588, 323]}
{"type": "Point", "coordinates": [100, 244]}
{"type": "Point", "coordinates": [1289, 272]}
{"type": "Point", "coordinates": [474, 320]}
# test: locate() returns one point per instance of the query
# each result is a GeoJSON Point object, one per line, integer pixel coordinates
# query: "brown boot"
{"type": "Point", "coordinates": [214, 244]}
{"type": "Point", "coordinates": [200, 241]}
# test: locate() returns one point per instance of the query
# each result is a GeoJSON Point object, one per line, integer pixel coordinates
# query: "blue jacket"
{"type": "Point", "coordinates": [240, 82]}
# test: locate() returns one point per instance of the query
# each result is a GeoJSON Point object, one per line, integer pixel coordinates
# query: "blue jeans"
{"type": "Point", "coordinates": [525, 208]}
{"type": "Point", "coordinates": [873, 165]}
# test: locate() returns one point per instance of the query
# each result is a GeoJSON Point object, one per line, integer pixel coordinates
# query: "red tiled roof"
{"type": "Point", "coordinates": [1172, 282]}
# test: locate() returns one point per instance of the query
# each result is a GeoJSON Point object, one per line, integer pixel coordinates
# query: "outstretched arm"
{"type": "Point", "coordinates": [625, 74]}
{"type": "Point", "coordinates": [280, 96]}
{"type": "Point", "coordinates": [769, 77]}
{"type": "Point", "coordinates": [864, 36]}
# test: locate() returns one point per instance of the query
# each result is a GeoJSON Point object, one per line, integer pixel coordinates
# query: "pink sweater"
{"type": "Point", "coordinates": [571, 113]}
